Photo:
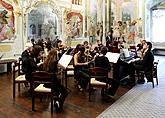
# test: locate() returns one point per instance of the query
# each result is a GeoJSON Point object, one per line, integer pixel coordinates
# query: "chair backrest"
{"type": "Point", "coordinates": [42, 77]}
{"type": "Point", "coordinates": [20, 66]}
{"type": "Point", "coordinates": [98, 73]}
{"type": "Point", "coordinates": [155, 64]}
{"type": "Point", "coordinates": [17, 68]}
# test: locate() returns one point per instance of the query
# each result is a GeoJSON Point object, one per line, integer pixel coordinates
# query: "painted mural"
{"type": "Point", "coordinates": [7, 29]}
{"type": "Point", "coordinates": [73, 25]}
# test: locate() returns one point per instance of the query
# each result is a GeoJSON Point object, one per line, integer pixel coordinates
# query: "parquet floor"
{"type": "Point", "coordinates": [76, 104]}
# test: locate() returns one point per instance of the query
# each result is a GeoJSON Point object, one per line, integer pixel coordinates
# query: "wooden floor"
{"type": "Point", "coordinates": [76, 105]}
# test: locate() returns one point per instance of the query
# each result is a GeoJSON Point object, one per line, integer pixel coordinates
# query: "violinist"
{"type": "Point", "coordinates": [81, 68]}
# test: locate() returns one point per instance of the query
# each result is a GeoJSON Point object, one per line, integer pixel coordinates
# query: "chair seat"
{"type": "Point", "coordinates": [95, 82]}
{"type": "Point", "coordinates": [70, 67]}
{"type": "Point", "coordinates": [41, 88]}
{"type": "Point", "coordinates": [20, 78]}
{"type": "Point", "coordinates": [70, 72]}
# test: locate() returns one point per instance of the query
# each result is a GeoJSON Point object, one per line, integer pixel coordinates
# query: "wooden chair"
{"type": "Point", "coordinates": [18, 76]}
{"type": "Point", "coordinates": [154, 73]}
{"type": "Point", "coordinates": [69, 72]}
{"type": "Point", "coordinates": [97, 73]}
{"type": "Point", "coordinates": [38, 80]}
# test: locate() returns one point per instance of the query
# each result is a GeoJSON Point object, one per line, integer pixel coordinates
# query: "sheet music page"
{"type": "Point", "coordinates": [112, 57]}
{"type": "Point", "coordinates": [126, 52]}
{"type": "Point", "coordinates": [64, 60]}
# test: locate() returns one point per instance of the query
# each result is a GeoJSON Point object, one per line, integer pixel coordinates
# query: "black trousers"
{"type": "Point", "coordinates": [114, 86]}
{"type": "Point", "coordinates": [82, 76]}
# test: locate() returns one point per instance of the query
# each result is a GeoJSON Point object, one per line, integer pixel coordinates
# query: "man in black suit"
{"type": "Point", "coordinates": [103, 62]}
{"type": "Point", "coordinates": [146, 63]}
{"type": "Point", "coordinates": [109, 41]}
{"type": "Point", "coordinates": [30, 60]}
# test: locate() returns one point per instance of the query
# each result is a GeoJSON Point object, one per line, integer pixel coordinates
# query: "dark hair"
{"type": "Point", "coordinates": [37, 49]}
{"type": "Point", "coordinates": [49, 45]}
{"type": "Point", "coordinates": [59, 41]}
{"type": "Point", "coordinates": [82, 49]}
{"type": "Point", "coordinates": [85, 42]}
{"type": "Point", "coordinates": [149, 45]}
{"type": "Point", "coordinates": [77, 48]}
{"type": "Point", "coordinates": [104, 50]}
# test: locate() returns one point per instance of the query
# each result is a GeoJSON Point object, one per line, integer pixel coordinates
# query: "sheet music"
{"type": "Point", "coordinates": [112, 57]}
{"type": "Point", "coordinates": [64, 60]}
{"type": "Point", "coordinates": [126, 53]}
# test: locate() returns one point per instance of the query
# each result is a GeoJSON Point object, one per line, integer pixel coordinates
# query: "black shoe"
{"type": "Point", "coordinates": [80, 88]}
{"type": "Point", "coordinates": [141, 81]}
{"type": "Point", "coordinates": [149, 80]}
{"type": "Point", "coordinates": [57, 106]}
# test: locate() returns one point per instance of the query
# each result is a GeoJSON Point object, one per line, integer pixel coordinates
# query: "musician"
{"type": "Point", "coordinates": [109, 41]}
{"type": "Point", "coordinates": [146, 63]}
{"type": "Point", "coordinates": [88, 50]}
{"type": "Point", "coordinates": [81, 68]}
{"type": "Point", "coordinates": [31, 60]}
{"type": "Point", "coordinates": [102, 61]}
{"type": "Point", "coordinates": [50, 65]}
{"type": "Point", "coordinates": [98, 46]}
{"type": "Point", "coordinates": [60, 48]}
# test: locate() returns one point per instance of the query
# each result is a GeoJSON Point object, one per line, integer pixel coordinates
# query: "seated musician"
{"type": "Point", "coordinates": [81, 68]}
{"type": "Point", "coordinates": [31, 60]}
{"type": "Point", "coordinates": [98, 46]}
{"type": "Point", "coordinates": [146, 63]}
{"type": "Point", "coordinates": [109, 41]}
{"type": "Point", "coordinates": [140, 45]}
{"type": "Point", "coordinates": [50, 65]}
{"type": "Point", "coordinates": [60, 48]}
{"type": "Point", "coordinates": [88, 50]}
{"type": "Point", "coordinates": [102, 61]}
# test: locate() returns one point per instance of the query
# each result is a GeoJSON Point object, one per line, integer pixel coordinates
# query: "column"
{"type": "Point", "coordinates": [83, 13]}
{"type": "Point", "coordinates": [99, 8]}
{"type": "Point", "coordinates": [118, 8]}
{"type": "Point", "coordinates": [108, 14]}
{"type": "Point", "coordinates": [63, 23]}
{"type": "Point", "coordinates": [103, 16]}
{"type": "Point", "coordinates": [88, 15]}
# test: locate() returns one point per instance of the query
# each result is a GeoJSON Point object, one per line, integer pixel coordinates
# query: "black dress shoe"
{"type": "Point", "coordinates": [57, 106]}
{"type": "Point", "coordinates": [149, 80]}
{"type": "Point", "coordinates": [141, 81]}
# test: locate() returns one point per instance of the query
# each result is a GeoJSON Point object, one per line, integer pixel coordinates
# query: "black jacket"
{"type": "Point", "coordinates": [147, 64]}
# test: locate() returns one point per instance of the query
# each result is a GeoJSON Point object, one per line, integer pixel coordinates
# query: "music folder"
{"type": "Point", "coordinates": [112, 57]}
{"type": "Point", "coordinates": [64, 61]}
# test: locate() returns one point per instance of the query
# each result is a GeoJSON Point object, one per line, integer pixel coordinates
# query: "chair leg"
{"type": "Point", "coordinates": [51, 104]}
{"type": "Point", "coordinates": [102, 92]}
{"type": "Point", "coordinates": [156, 80]}
{"type": "Point", "coordinates": [33, 102]}
{"type": "Point", "coordinates": [89, 94]}
{"type": "Point", "coordinates": [153, 83]}
{"type": "Point", "coordinates": [19, 87]}
{"type": "Point", "coordinates": [14, 90]}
